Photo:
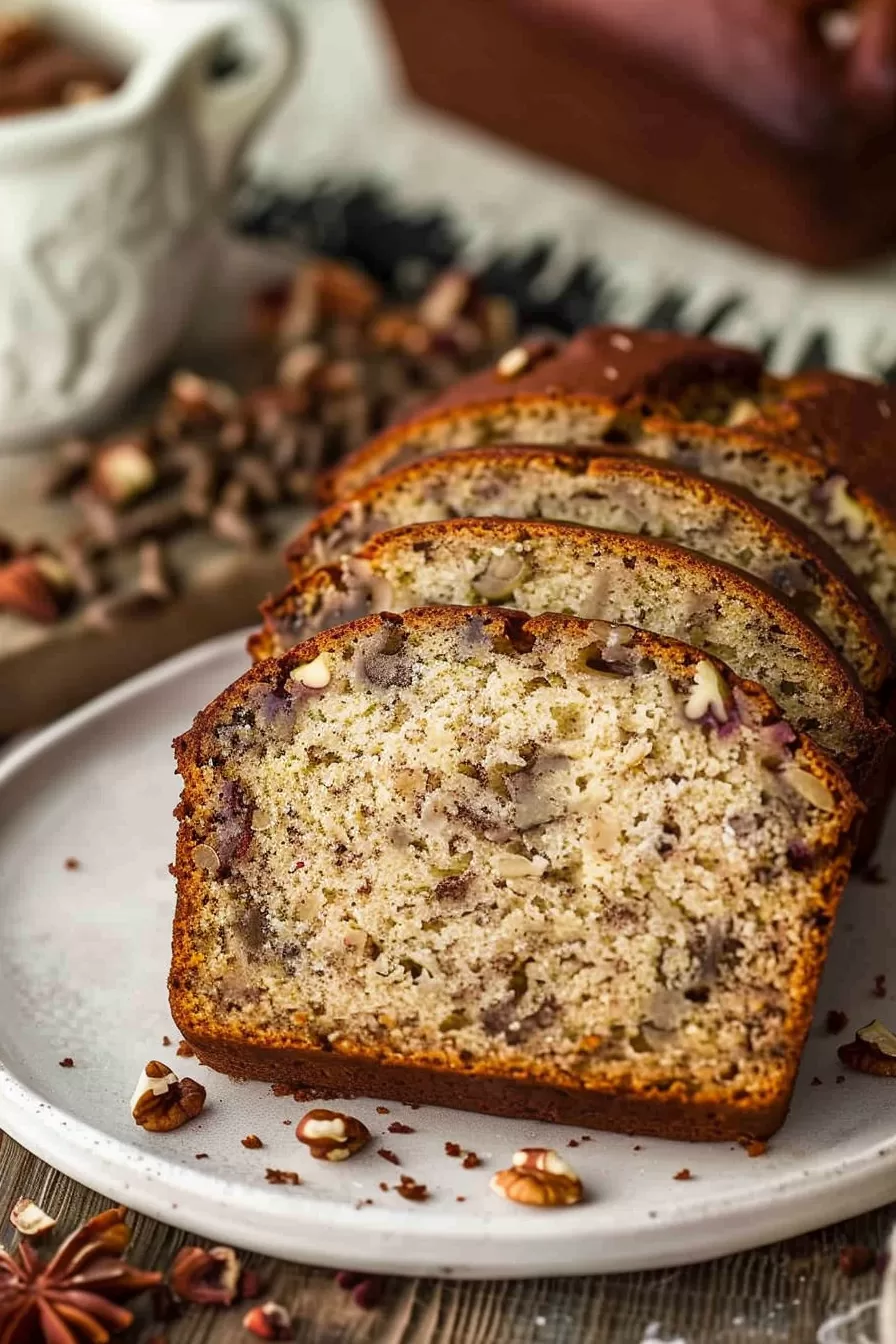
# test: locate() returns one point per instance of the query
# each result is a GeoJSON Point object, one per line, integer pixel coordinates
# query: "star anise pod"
{"type": "Point", "coordinates": [72, 1298]}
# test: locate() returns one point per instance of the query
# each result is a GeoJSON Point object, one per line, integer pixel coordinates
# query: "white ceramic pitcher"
{"type": "Point", "coordinates": [107, 209]}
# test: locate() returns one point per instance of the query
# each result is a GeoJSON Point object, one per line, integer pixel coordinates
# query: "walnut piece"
{"type": "Point", "coordinates": [162, 1101]}
{"type": "Point", "coordinates": [845, 511]}
{"type": "Point", "coordinates": [332, 1136]}
{"type": "Point", "coordinates": [269, 1321]}
{"type": "Point", "coordinates": [29, 1220]}
{"type": "Point", "coordinates": [810, 788]}
{"type": "Point", "coordinates": [498, 580]}
{"type": "Point", "coordinates": [315, 675]}
{"type": "Point", "coordinates": [206, 858]}
{"type": "Point", "coordinates": [518, 865]}
{"type": "Point", "coordinates": [123, 470]}
{"type": "Point", "coordinates": [710, 694]}
{"type": "Point", "coordinates": [513, 362]}
{"type": "Point", "coordinates": [742, 411]}
{"type": "Point", "coordinates": [540, 1178]}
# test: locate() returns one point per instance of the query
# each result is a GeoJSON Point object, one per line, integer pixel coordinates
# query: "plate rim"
{"type": "Point", "coordinates": [392, 1241]}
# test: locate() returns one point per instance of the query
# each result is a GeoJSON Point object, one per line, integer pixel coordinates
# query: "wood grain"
{"type": "Point", "coordinates": [781, 1292]}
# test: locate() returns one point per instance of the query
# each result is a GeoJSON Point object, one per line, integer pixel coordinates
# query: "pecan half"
{"type": "Point", "coordinates": [332, 1136]}
{"type": "Point", "coordinates": [538, 1177]}
{"type": "Point", "coordinates": [162, 1101]}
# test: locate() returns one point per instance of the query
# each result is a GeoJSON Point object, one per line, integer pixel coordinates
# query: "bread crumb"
{"type": "Point", "coordinates": [275, 1177]}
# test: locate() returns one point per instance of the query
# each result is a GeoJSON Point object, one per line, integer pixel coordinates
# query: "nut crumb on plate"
{"type": "Point", "coordinates": [408, 1188]}
{"type": "Point", "coordinates": [276, 1177]}
{"type": "Point", "coordinates": [252, 1141]}
{"type": "Point", "coordinates": [67, 1063]}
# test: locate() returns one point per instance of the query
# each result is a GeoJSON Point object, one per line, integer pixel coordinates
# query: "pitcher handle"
{"type": "Point", "coordinates": [225, 112]}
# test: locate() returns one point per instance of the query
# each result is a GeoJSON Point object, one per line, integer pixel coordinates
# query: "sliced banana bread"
{"type": "Point", "coordinates": [857, 521]}
{"type": "Point", "coordinates": [624, 494]}
{"type": "Point", "coordinates": [601, 382]}
{"type": "Point", "coordinates": [542, 566]}
{"type": "Point", "coordinates": [819, 446]}
{"type": "Point", "coordinates": [544, 868]}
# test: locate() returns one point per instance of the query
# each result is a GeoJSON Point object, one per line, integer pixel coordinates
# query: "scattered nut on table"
{"type": "Point", "coordinates": [162, 1101]}
{"type": "Point", "coordinates": [208, 1278]}
{"type": "Point", "coordinates": [331, 1136]}
{"type": "Point", "coordinates": [28, 1219]}
{"type": "Point", "coordinates": [269, 1321]}
{"type": "Point", "coordinates": [538, 1177]}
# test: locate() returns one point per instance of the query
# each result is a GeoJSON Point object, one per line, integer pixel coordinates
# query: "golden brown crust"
{"type": "Point", "coordinates": [545, 1091]}
{"type": "Point", "coordinates": [770, 524]}
{"type": "Point", "coordinates": [302, 598]}
{"type": "Point", "coordinates": [622, 365]}
{"type": "Point", "coordinates": [820, 423]}
{"type": "Point", "coordinates": [606, 370]}
{"type": "Point", "coordinates": [847, 423]}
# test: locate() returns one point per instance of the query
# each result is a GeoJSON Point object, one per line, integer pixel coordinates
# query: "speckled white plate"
{"type": "Point", "coordinates": [83, 961]}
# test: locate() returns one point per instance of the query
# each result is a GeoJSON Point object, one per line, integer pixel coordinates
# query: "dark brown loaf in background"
{"type": "Point", "coordinates": [772, 120]}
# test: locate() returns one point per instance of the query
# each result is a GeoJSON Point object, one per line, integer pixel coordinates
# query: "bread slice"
{"type": "Point", "coordinates": [602, 382]}
{"type": "Point", "coordinates": [541, 566]}
{"type": "Point", "coordinates": [624, 494]}
{"type": "Point", "coordinates": [858, 521]}
{"type": "Point", "coordinates": [818, 446]}
{"type": "Point", "coordinates": [544, 868]}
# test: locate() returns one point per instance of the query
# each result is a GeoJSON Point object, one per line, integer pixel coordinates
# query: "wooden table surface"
{"type": "Point", "coordinates": [792, 1291]}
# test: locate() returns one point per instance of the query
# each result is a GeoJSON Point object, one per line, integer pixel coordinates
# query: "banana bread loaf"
{"type": "Point", "coordinates": [400, 861]}
{"type": "Point", "coordinates": [772, 120]}
{"type": "Point", "coordinates": [624, 494]}
{"type": "Point", "coordinates": [542, 566]}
